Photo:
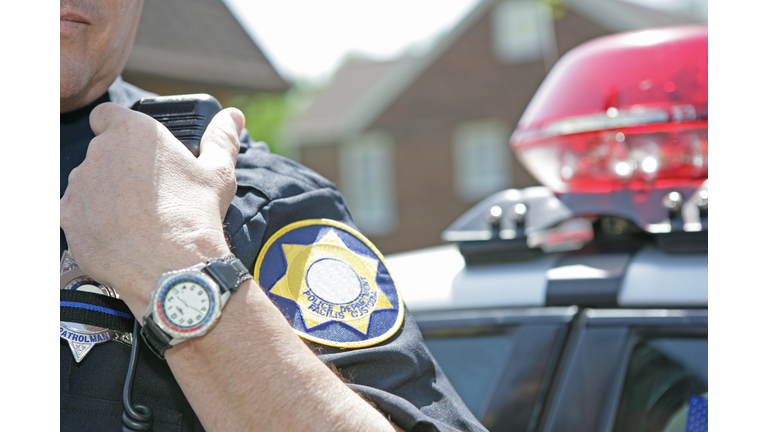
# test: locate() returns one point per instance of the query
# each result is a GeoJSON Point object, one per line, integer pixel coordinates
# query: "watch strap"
{"type": "Point", "coordinates": [228, 272]}
{"type": "Point", "coordinates": [157, 340]}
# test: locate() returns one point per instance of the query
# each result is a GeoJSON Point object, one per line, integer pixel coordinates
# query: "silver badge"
{"type": "Point", "coordinates": [82, 337]}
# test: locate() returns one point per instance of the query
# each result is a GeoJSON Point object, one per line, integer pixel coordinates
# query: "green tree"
{"type": "Point", "coordinates": [267, 115]}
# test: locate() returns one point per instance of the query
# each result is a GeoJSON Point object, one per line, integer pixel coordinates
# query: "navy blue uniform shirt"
{"type": "Point", "coordinates": [398, 375]}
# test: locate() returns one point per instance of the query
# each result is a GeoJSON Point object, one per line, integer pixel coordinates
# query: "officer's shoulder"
{"type": "Point", "coordinates": [274, 175]}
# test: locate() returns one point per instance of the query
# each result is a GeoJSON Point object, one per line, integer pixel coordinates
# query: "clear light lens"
{"type": "Point", "coordinates": [623, 169]}
{"type": "Point", "coordinates": [650, 164]}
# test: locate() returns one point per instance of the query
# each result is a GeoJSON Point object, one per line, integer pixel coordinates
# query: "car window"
{"type": "Point", "coordinates": [665, 387]}
{"type": "Point", "coordinates": [473, 363]}
{"type": "Point", "coordinates": [500, 361]}
{"type": "Point", "coordinates": [579, 400]}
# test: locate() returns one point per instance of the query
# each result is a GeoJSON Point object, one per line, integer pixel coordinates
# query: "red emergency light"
{"type": "Point", "coordinates": [625, 111]}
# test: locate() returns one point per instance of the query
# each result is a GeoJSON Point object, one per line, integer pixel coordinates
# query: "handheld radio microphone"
{"type": "Point", "coordinates": [186, 116]}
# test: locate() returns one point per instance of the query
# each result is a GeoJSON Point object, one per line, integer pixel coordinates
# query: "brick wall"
{"type": "Point", "coordinates": [323, 159]}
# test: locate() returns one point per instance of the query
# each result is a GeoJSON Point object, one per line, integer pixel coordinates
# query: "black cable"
{"type": "Point", "coordinates": [138, 418]}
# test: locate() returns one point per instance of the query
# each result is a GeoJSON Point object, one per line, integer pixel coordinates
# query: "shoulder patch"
{"type": "Point", "coordinates": [331, 284]}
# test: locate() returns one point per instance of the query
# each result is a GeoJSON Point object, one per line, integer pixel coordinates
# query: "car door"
{"type": "Point", "coordinates": [500, 361]}
{"type": "Point", "coordinates": [631, 370]}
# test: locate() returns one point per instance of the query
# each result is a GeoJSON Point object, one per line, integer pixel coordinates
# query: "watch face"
{"type": "Point", "coordinates": [186, 304]}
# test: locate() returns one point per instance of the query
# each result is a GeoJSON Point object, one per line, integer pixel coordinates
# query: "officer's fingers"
{"type": "Point", "coordinates": [221, 142]}
{"type": "Point", "coordinates": [108, 114]}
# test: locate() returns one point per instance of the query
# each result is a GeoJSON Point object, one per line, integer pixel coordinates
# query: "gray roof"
{"type": "Point", "coordinates": [200, 41]}
{"type": "Point", "coordinates": [361, 91]}
{"type": "Point", "coordinates": [345, 102]}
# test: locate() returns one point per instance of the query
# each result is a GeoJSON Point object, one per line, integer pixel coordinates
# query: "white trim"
{"type": "Point", "coordinates": [482, 159]}
{"type": "Point", "coordinates": [367, 180]}
{"type": "Point", "coordinates": [515, 22]}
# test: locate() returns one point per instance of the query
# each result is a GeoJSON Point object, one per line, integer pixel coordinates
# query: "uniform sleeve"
{"type": "Point", "coordinates": [273, 192]}
{"type": "Point", "coordinates": [399, 375]}
{"type": "Point", "coordinates": [403, 380]}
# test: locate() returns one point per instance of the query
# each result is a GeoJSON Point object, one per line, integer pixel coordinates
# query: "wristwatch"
{"type": "Point", "coordinates": [187, 303]}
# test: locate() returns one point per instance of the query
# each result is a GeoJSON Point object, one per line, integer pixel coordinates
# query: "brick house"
{"type": "Point", "coordinates": [415, 142]}
{"type": "Point", "coordinates": [197, 46]}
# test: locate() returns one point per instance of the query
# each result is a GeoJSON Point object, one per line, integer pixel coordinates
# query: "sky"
{"type": "Point", "coordinates": [308, 39]}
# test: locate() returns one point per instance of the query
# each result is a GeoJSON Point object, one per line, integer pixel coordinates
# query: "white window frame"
{"type": "Point", "coordinates": [482, 158]}
{"type": "Point", "coordinates": [367, 180]}
{"type": "Point", "coordinates": [523, 31]}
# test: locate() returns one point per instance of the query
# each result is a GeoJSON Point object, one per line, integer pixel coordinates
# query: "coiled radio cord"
{"type": "Point", "coordinates": [135, 418]}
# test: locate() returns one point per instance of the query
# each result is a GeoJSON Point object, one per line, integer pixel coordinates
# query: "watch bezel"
{"type": "Point", "coordinates": [167, 282]}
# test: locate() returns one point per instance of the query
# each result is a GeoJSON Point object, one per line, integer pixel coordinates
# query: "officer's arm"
{"type": "Point", "coordinates": [253, 373]}
{"type": "Point", "coordinates": [140, 205]}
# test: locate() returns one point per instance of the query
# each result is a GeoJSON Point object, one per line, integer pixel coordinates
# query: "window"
{"type": "Point", "coordinates": [481, 158]}
{"type": "Point", "coordinates": [523, 31]}
{"type": "Point", "coordinates": [500, 361]}
{"type": "Point", "coordinates": [473, 364]}
{"type": "Point", "coordinates": [367, 181]}
{"type": "Point", "coordinates": [665, 389]}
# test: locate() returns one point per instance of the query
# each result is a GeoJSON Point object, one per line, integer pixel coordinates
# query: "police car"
{"type": "Point", "coordinates": [582, 305]}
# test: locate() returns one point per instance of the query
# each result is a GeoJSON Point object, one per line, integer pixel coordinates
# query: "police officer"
{"type": "Point", "coordinates": [137, 206]}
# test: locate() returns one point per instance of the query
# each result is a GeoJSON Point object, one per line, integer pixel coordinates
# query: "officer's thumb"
{"type": "Point", "coordinates": [221, 141]}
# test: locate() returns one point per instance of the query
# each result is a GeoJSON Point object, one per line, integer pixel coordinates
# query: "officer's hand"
{"type": "Point", "coordinates": [141, 204]}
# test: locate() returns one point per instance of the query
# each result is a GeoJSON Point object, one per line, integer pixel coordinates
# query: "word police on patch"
{"type": "Point", "coordinates": [331, 284]}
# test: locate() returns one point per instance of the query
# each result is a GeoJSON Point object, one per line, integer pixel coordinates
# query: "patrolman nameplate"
{"type": "Point", "coordinates": [331, 284]}
{"type": "Point", "coordinates": [82, 337]}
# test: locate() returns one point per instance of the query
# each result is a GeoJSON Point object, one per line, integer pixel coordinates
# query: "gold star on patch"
{"type": "Point", "coordinates": [331, 283]}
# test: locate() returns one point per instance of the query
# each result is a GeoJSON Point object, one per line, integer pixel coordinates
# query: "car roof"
{"type": "Point", "coordinates": [437, 278]}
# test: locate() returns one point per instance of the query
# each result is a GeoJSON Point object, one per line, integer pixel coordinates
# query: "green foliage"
{"type": "Point", "coordinates": [558, 8]}
{"type": "Point", "coordinates": [267, 115]}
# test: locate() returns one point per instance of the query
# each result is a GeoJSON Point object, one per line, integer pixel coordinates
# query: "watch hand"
{"type": "Point", "coordinates": [187, 305]}
{"type": "Point", "coordinates": [196, 309]}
